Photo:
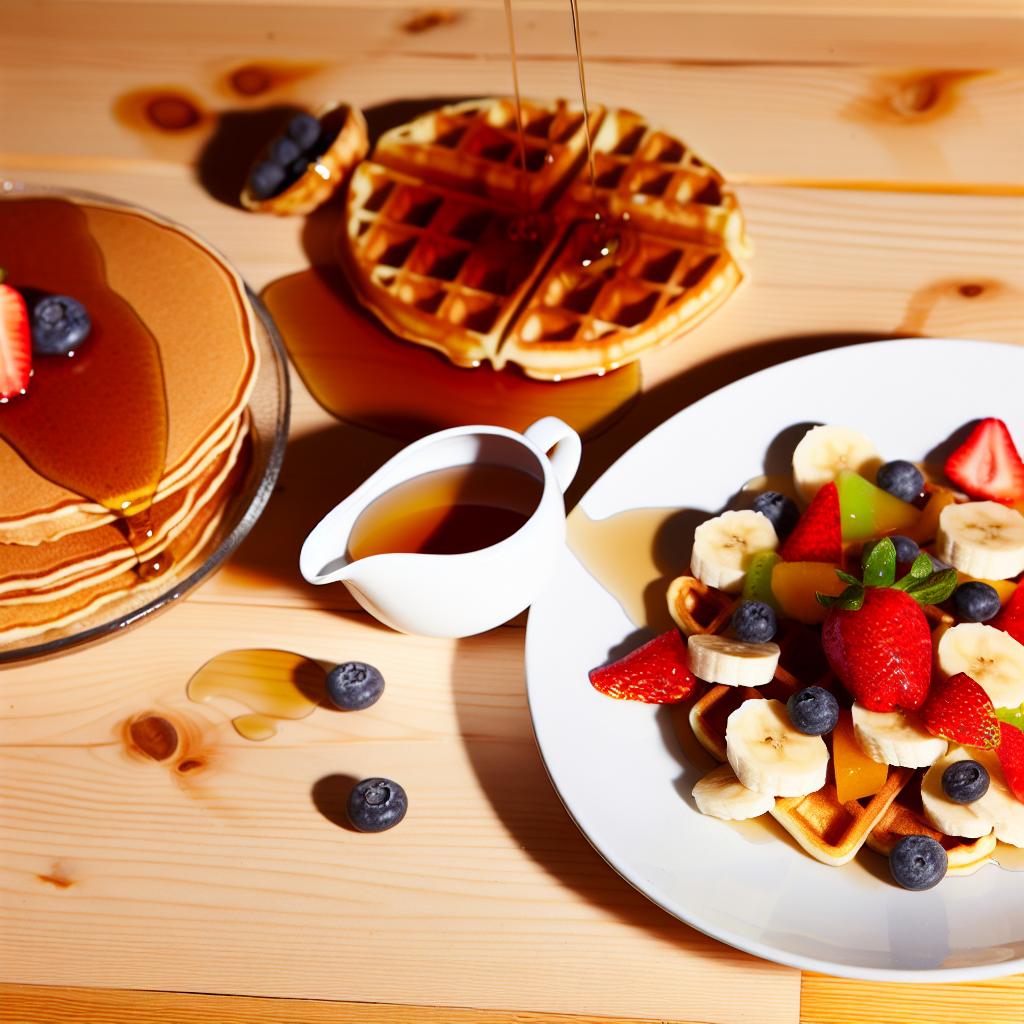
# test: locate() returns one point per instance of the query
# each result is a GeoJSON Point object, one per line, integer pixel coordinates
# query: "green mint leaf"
{"type": "Point", "coordinates": [880, 565]}
{"type": "Point", "coordinates": [921, 568]}
{"type": "Point", "coordinates": [851, 599]}
{"type": "Point", "coordinates": [935, 589]}
{"type": "Point", "coordinates": [847, 578]}
{"type": "Point", "coordinates": [1012, 716]}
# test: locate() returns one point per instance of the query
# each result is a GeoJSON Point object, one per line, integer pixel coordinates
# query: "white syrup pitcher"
{"type": "Point", "coordinates": [454, 595]}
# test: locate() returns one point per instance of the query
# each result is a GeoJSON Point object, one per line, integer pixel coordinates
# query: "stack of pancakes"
{"type": "Point", "coordinates": [65, 554]}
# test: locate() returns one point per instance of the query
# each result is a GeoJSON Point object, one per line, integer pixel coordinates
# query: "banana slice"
{"type": "Point", "coordinates": [998, 811]}
{"type": "Point", "coordinates": [724, 546]}
{"type": "Point", "coordinates": [992, 658]}
{"type": "Point", "coordinates": [982, 539]}
{"type": "Point", "coordinates": [769, 755]}
{"type": "Point", "coordinates": [891, 737]}
{"type": "Point", "coordinates": [717, 659]}
{"type": "Point", "coordinates": [721, 795]}
{"type": "Point", "coordinates": [824, 452]}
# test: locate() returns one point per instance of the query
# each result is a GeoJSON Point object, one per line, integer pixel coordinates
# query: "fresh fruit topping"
{"type": "Point", "coordinates": [284, 151]}
{"type": "Point", "coordinates": [59, 325]}
{"type": "Point", "coordinates": [781, 511]}
{"type": "Point", "coordinates": [656, 673]}
{"type": "Point", "coordinates": [817, 537]}
{"type": "Point", "coordinates": [1012, 716]}
{"type": "Point", "coordinates": [754, 622]}
{"type": "Point", "coordinates": [757, 585]}
{"type": "Point", "coordinates": [867, 511]}
{"type": "Point", "coordinates": [927, 525]}
{"type": "Point", "coordinates": [892, 737]}
{"type": "Point", "coordinates": [976, 602]}
{"type": "Point", "coordinates": [982, 539]}
{"type": "Point", "coordinates": [375, 805]}
{"type": "Point", "coordinates": [813, 711]}
{"type": "Point", "coordinates": [987, 464]}
{"type": "Point", "coordinates": [721, 795]}
{"type": "Point", "coordinates": [918, 863]}
{"type": "Point", "coordinates": [857, 774]}
{"type": "Point", "coordinates": [824, 452]}
{"type": "Point", "coordinates": [958, 709]}
{"type": "Point", "coordinates": [1005, 589]}
{"type": "Point", "coordinates": [1011, 760]}
{"type": "Point", "coordinates": [304, 129]}
{"type": "Point", "coordinates": [298, 167]}
{"type": "Point", "coordinates": [1011, 618]}
{"type": "Point", "coordinates": [15, 343]}
{"type": "Point", "coordinates": [901, 479]}
{"type": "Point", "coordinates": [723, 547]}
{"type": "Point", "coordinates": [796, 584]}
{"type": "Point", "coordinates": [768, 755]}
{"type": "Point", "coordinates": [971, 820]}
{"type": "Point", "coordinates": [876, 637]}
{"type": "Point", "coordinates": [906, 549]}
{"type": "Point", "coordinates": [266, 178]}
{"type": "Point", "coordinates": [963, 782]}
{"type": "Point", "coordinates": [717, 659]}
{"type": "Point", "coordinates": [354, 685]}
{"type": "Point", "coordinates": [992, 658]}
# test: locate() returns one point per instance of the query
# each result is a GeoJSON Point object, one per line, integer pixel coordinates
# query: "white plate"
{"type": "Point", "coordinates": [618, 767]}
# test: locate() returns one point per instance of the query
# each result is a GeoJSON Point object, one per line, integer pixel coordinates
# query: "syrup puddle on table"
{"type": "Point", "coordinates": [274, 685]}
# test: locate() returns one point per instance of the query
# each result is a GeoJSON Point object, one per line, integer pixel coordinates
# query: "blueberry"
{"type": "Point", "coordinates": [754, 622]}
{"type": "Point", "coordinates": [354, 685]}
{"type": "Point", "coordinates": [304, 130]}
{"type": "Point", "coordinates": [975, 602]}
{"type": "Point", "coordinates": [906, 549]}
{"type": "Point", "coordinates": [917, 862]}
{"type": "Point", "coordinates": [901, 479]}
{"type": "Point", "coordinates": [284, 151]}
{"type": "Point", "coordinates": [298, 168]}
{"type": "Point", "coordinates": [266, 178]}
{"type": "Point", "coordinates": [813, 711]}
{"type": "Point", "coordinates": [780, 510]}
{"type": "Point", "coordinates": [59, 325]}
{"type": "Point", "coordinates": [375, 805]}
{"type": "Point", "coordinates": [965, 781]}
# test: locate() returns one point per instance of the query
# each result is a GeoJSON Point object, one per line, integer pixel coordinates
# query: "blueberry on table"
{"type": "Point", "coordinates": [780, 511]}
{"type": "Point", "coordinates": [918, 863]}
{"type": "Point", "coordinates": [266, 178]}
{"type": "Point", "coordinates": [754, 622]}
{"type": "Point", "coordinates": [59, 324]}
{"type": "Point", "coordinates": [906, 549]}
{"type": "Point", "coordinates": [976, 602]}
{"type": "Point", "coordinates": [354, 685]}
{"type": "Point", "coordinates": [284, 151]}
{"type": "Point", "coordinates": [304, 130]}
{"type": "Point", "coordinates": [901, 479]}
{"type": "Point", "coordinates": [375, 805]}
{"type": "Point", "coordinates": [965, 781]}
{"type": "Point", "coordinates": [813, 711]}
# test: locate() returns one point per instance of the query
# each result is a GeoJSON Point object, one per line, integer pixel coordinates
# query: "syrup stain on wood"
{"type": "Point", "coordinates": [261, 77]}
{"type": "Point", "coordinates": [164, 110]}
{"type": "Point", "coordinates": [153, 736]}
{"type": "Point", "coordinates": [426, 20]}
{"type": "Point", "coordinates": [58, 877]}
{"type": "Point", "coordinates": [918, 97]}
{"type": "Point", "coordinates": [944, 300]}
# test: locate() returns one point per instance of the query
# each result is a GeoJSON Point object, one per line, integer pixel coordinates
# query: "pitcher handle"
{"type": "Point", "coordinates": [560, 443]}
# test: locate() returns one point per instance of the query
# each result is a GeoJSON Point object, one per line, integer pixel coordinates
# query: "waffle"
{"type": "Point", "coordinates": [436, 244]}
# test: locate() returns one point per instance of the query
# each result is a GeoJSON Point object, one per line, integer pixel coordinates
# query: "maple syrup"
{"type": "Point", "coordinates": [362, 374]}
{"type": "Point", "coordinates": [447, 512]}
{"type": "Point", "coordinates": [524, 192]}
{"type": "Point", "coordinates": [274, 685]}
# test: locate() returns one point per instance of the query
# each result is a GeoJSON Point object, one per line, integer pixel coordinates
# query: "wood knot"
{"type": "Point", "coordinates": [971, 291]}
{"type": "Point", "coordinates": [190, 764]}
{"type": "Point", "coordinates": [250, 80]}
{"type": "Point", "coordinates": [426, 20]}
{"type": "Point", "coordinates": [172, 113]}
{"type": "Point", "coordinates": [916, 96]}
{"type": "Point", "coordinates": [57, 877]}
{"type": "Point", "coordinates": [153, 736]}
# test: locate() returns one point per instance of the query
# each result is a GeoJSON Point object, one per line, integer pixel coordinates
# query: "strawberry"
{"type": "Point", "coordinates": [959, 710]}
{"type": "Point", "coordinates": [987, 464]}
{"type": "Point", "coordinates": [1011, 758]}
{"type": "Point", "coordinates": [876, 637]}
{"type": "Point", "coordinates": [15, 343]}
{"type": "Point", "coordinates": [656, 673]}
{"type": "Point", "coordinates": [817, 536]}
{"type": "Point", "coordinates": [1011, 618]}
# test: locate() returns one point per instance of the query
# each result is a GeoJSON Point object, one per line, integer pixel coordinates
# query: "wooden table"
{"type": "Point", "coordinates": [878, 151]}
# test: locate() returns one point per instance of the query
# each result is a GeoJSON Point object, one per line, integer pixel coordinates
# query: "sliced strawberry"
{"type": "Point", "coordinates": [15, 343]}
{"type": "Point", "coordinates": [656, 673]}
{"type": "Point", "coordinates": [959, 710]}
{"type": "Point", "coordinates": [1011, 618]}
{"type": "Point", "coordinates": [1011, 758]}
{"type": "Point", "coordinates": [817, 537]}
{"type": "Point", "coordinates": [987, 464]}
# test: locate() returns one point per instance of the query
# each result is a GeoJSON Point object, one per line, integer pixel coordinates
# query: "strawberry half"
{"type": "Point", "coordinates": [656, 673]}
{"type": "Point", "coordinates": [959, 710]}
{"type": "Point", "coordinates": [987, 464]}
{"type": "Point", "coordinates": [817, 536]}
{"type": "Point", "coordinates": [15, 343]}
{"type": "Point", "coordinates": [1011, 618]}
{"type": "Point", "coordinates": [1011, 758]}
